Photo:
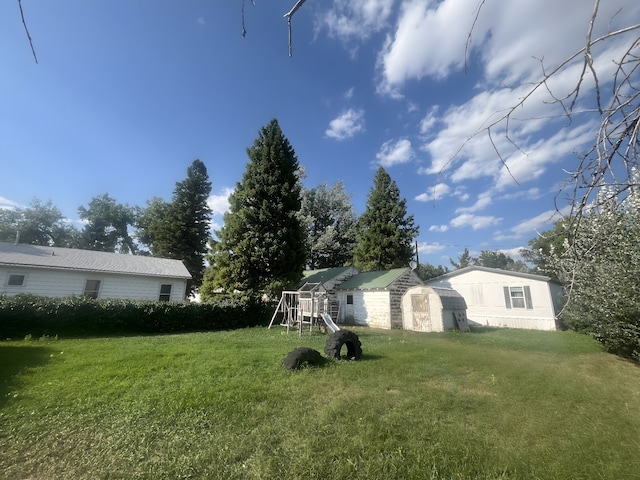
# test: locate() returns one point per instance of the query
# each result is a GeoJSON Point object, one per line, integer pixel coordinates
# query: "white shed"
{"type": "Point", "coordinates": [374, 298]}
{"type": "Point", "coordinates": [433, 309]}
{"type": "Point", "coordinates": [501, 298]}
{"type": "Point", "coordinates": [64, 272]}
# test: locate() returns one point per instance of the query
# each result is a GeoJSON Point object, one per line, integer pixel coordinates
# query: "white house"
{"type": "Point", "coordinates": [374, 299]}
{"type": "Point", "coordinates": [501, 298]}
{"type": "Point", "coordinates": [63, 272]}
{"type": "Point", "coordinates": [433, 309]}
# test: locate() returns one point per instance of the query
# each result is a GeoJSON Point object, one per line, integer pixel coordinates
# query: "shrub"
{"type": "Point", "coordinates": [27, 314]}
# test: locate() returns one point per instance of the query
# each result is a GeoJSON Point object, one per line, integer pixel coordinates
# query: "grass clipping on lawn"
{"type": "Point", "coordinates": [503, 404]}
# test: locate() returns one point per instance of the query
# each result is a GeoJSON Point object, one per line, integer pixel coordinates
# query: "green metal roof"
{"type": "Point", "coordinates": [322, 275]}
{"type": "Point", "coordinates": [372, 280]}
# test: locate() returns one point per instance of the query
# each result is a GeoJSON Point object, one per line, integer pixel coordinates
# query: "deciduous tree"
{"type": "Point", "coordinates": [107, 225]}
{"type": "Point", "coordinates": [330, 220]}
{"type": "Point", "coordinates": [600, 267]}
{"type": "Point", "coordinates": [39, 224]}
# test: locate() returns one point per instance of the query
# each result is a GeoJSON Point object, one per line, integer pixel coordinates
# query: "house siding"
{"type": "Point", "coordinates": [485, 296]}
{"type": "Point", "coordinates": [370, 308]}
{"type": "Point", "coordinates": [60, 283]}
{"type": "Point", "coordinates": [378, 308]}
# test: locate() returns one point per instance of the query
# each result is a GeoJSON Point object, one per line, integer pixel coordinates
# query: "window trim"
{"type": "Point", "coordinates": [165, 294]}
{"type": "Point", "coordinates": [527, 303]}
{"type": "Point", "coordinates": [16, 285]}
{"type": "Point", "coordinates": [349, 298]}
{"type": "Point", "coordinates": [93, 293]}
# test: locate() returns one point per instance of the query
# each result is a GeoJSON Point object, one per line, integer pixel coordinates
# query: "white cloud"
{"type": "Point", "coordinates": [508, 51]}
{"type": "Point", "coordinates": [426, 42]}
{"type": "Point", "coordinates": [530, 227]}
{"type": "Point", "coordinates": [219, 204]}
{"type": "Point", "coordinates": [438, 228]}
{"type": "Point", "coordinates": [515, 253]}
{"type": "Point", "coordinates": [436, 192]}
{"type": "Point", "coordinates": [532, 193]}
{"type": "Point", "coordinates": [424, 247]}
{"type": "Point", "coordinates": [7, 204]}
{"type": "Point", "coordinates": [429, 37]}
{"type": "Point", "coordinates": [395, 152]}
{"type": "Point", "coordinates": [354, 22]}
{"type": "Point", "coordinates": [429, 120]}
{"type": "Point", "coordinates": [476, 222]}
{"type": "Point", "coordinates": [348, 95]}
{"type": "Point", "coordinates": [346, 125]}
{"type": "Point", "coordinates": [484, 200]}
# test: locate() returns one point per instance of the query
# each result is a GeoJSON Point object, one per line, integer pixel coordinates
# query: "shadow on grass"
{"type": "Point", "coordinates": [369, 357]}
{"type": "Point", "coordinates": [13, 360]}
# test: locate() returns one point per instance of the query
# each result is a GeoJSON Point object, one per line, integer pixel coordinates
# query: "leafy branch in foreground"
{"type": "Point", "coordinates": [599, 264]}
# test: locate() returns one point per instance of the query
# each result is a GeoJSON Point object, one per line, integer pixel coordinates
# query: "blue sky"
{"type": "Point", "coordinates": [127, 93]}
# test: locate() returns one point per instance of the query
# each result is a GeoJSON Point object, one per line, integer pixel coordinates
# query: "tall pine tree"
{"type": "Point", "coordinates": [180, 228]}
{"type": "Point", "coordinates": [385, 232]}
{"type": "Point", "coordinates": [261, 246]}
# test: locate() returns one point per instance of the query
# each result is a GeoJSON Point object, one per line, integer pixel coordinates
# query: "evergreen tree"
{"type": "Point", "coordinates": [192, 217]}
{"type": "Point", "coordinates": [180, 229]}
{"type": "Point", "coordinates": [330, 221]}
{"type": "Point", "coordinates": [261, 246]}
{"type": "Point", "coordinates": [464, 260]}
{"type": "Point", "coordinates": [496, 259]}
{"type": "Point", "coordinates": [385, 232]}
{"type": "Point", "coordinates": [427, 271]}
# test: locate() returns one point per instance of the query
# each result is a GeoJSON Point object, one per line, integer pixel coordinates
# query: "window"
{"type": "Point", "coordinates": [518, 297]}
{"type": "Point", "coordinates": [349, 299]}
{"type": "Point", "coordinates": [92, 288]}
{"type": "Point", "coordinates": [165, 293]}
{"type": "Point", "coordinates": [16, 280]}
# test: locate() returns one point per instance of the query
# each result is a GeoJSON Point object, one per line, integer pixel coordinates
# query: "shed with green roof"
{"type": "Point", "coordinates": [374, 299]}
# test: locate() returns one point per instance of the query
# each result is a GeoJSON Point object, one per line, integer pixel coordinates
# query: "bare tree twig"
{"type": "Point", "coordinates": [24, 23]}
{"type": "Point", "coordinates": [616, 142]}
{"type": "Point", "coordinates": [288, 15]}
{"type": "Point", "coordinates": [467, 45]}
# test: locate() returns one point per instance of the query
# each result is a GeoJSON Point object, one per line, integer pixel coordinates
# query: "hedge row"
{"type": "Point", "coordinates": [23, 315]}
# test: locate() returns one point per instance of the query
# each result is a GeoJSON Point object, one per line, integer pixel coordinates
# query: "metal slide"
{"type": "Point", "coordinates": [327, 320]}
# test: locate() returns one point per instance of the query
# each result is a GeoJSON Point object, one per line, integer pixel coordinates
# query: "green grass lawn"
{"type": "Point", "coordinates": [501, 404]}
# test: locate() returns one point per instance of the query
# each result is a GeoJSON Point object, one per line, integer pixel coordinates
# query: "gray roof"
{"type": "Point", "coordinates": [455, 273]}
{"type": "Point", "coordinates": [35, 256]}
{"type": "Point", "coordinates": [451, 299]}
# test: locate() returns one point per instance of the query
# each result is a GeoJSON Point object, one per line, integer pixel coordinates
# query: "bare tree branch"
{"type": "Point", "coordinates": [611, 161]}
{"type": "Point", "coordinates": [24, 23]}
{"type": "Point", "coordinates": [288, 15]}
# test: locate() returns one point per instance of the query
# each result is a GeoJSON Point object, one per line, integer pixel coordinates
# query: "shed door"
{"type": "Point", "coordinates": [420, 313]}
{"type": "Point", "coordinates": [348, 311]}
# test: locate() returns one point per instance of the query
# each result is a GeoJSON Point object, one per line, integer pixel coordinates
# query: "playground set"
{"type": "Point", "coordinates": [309, 306]}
